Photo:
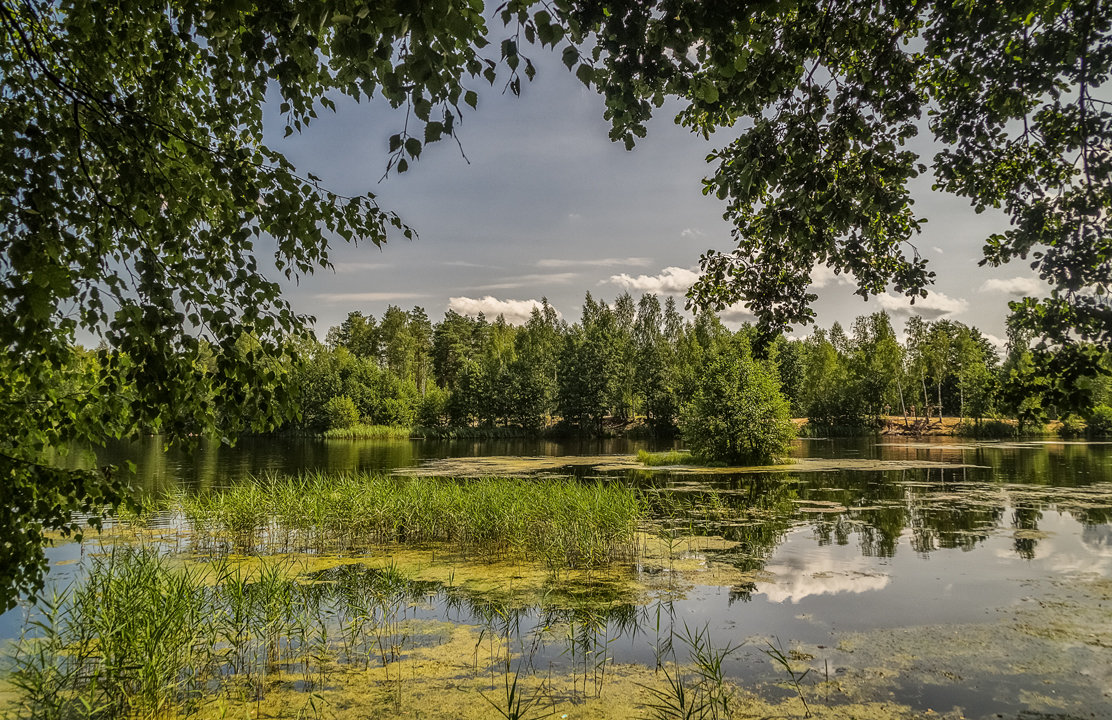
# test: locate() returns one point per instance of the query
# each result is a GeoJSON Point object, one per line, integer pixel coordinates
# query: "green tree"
{"type": "Point", "coordinates": [452, 340]}
{"type": "Point", "coordinates": [654, 371]}
{"type": "Point", "coordinates": [587, 367]}
{"type": "Point", "coordinates": [341, 412]}
{"type": "Point", "coordinates": [831, 95]}
{"type": "Point", "coordinates": [139, 204]}
{"type": "Point", "coordinates": [358, 333]}
{"type": "Point", "coordinates": [875, 360]}
{"type": "Point", "coordinates": [737, 414]}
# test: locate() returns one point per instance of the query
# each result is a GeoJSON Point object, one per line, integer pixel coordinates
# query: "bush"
{"type": "Point", "coordinates": [737, 415]}
{"type": "Point", "coordinates": [432, 408]}
{"type": "Point", "coordinates": [340, 412]}
{"type": "Point", "coordinates": [991, 428]}
{"type": "Point", "coordinates": [1099, 422]}
{"type": "Point", "coordinates": [1072, 426]}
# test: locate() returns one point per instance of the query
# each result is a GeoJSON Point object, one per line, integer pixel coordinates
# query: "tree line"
{"type": "Point", "coordinates": [642, 362]}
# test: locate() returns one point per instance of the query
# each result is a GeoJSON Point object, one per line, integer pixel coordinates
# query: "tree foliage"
{"type": "Point", "coordinates": [829, 97]}
{"type": "Point", "coordinates": [737, 415]}
{"type": "Point", "coordinates": [140, 206]}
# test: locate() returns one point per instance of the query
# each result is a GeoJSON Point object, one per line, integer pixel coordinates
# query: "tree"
{"type": "Point", "coordinates": [357, 333]}
{"type": "Point", "coordinates": [737, 414]}
{"type": "Point", "coordinates": [829, 95]}
{"type": "Point", "coordinates": [139, 203]}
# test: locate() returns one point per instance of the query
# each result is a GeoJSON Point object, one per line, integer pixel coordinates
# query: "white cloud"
{"type": "Point", "coordinates": [343, 268]}
{"type": "Point", "coordinates": [593, 262]}
{"type": "Point", "coordinates": [935, 305]}
{"type": "Point", "coordinates": [1000, 344]}
{"type": "Point", "coordinates": [692, 233]}
{"type": "Point", "coordinates": [738, 313]}
{"type": "Point", "coordinates": [1018, 286]}
{"type": "Point", "coordinates": [464, 263]}
{"type": "Point", "coordinates": [516, 312]}
{"type": "Point", "coordinates": [938, 250]}
{"type": "Point", "coordinates": [366, 296]}
{"type": "Point", "coordinates": [821, 276]}
{"type": "Point", "coordinates": [797, 578]}
{"type": "Point", "coordinates": [529, 281]}
{"type": "Point", "coordinates": [670, 281]}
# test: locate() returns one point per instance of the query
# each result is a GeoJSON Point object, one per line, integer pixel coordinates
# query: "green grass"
{"type": "Point", "coordinates": [146, 637]}
{"type": "Point", "coordinates": [563, 522]}
{"type": "Point", "coordinates": [467, 432]}
{"type": "Point", "coordinates": [995, 428]}
{"type": "Point", "coordinates": [672, 457]}
{"type": "Point", "coordinates": [369, 432]}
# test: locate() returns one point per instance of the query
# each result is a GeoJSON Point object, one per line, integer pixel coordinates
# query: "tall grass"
{"type": "Point", "coordinates": [674, 457]}
{"type": "Point", "coordinates": [143, 637]}
{"type": "Point", "coordinates": [360, 431]}
{"type": "Point", "coordinates": [563, 522]}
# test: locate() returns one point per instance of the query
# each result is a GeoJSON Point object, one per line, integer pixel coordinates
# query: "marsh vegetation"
{"type": "Point", "coordinates": [588, 586]}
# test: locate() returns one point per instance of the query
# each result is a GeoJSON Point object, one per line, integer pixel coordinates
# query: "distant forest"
{"type": "Point", "coordinates": [635, 363]}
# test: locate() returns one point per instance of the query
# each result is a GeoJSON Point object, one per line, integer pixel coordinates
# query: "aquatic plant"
{"type": "Point", "coordinates": [362, 431]}
{"type": "Point", "coordinates": [776, 653]}
{"type": "Point", "coordinates": [673, 457]}
{"type": "Point", "coordinates": [697, 692]}
{"type": "Point", "coordinates": [563, 522]}
{"type": "Point", "coordinates": [516, 704]}
{"type": "Point", "coordinates": [146, 636]}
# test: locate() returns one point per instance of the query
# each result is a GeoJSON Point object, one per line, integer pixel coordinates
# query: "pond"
{"type": "Point", "coordinates": [875, 578]}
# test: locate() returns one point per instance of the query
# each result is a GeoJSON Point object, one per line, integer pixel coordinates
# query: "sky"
{"type": "Point", "coordinates": [545, 205]}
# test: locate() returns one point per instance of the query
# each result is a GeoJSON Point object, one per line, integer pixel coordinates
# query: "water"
{"type": "Point", "coordinates": [983, 588]}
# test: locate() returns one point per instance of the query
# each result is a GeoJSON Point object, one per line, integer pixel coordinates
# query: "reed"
{"type": "Point", "coordinates": [146, 637]}
{"type": "Point", "coordinates": [369, 432]}
{"type": "Point", "coordinates": [562, 522]}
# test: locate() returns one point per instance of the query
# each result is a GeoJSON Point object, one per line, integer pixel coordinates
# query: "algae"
{"type": "Point", "coordinates": [520, 466]}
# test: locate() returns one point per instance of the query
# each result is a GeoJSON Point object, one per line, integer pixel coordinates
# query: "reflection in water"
{"type": "Point", "coordinates": [928, 553]}
{"type": "Point", "coordinates": [807, 576]}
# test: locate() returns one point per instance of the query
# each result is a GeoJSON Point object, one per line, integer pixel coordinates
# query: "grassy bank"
{"type": "Point", "coordinates": [563, 522]}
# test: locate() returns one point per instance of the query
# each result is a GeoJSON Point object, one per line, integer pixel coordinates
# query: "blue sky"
{"type": "Point", "coordinates": [547, 205]}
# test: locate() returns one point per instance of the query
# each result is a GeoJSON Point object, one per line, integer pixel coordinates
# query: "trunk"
{"type": "Point", "coordinates": [926, 397]}
{"type": "Point", "coordinates": [903, 408]}
{"type": "Point", "coordinates": [939, 387]}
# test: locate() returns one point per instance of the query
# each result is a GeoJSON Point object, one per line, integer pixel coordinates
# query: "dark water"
{"type": "Point", "coordinates": [943, 576]}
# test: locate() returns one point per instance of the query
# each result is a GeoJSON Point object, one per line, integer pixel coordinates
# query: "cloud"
{"type": "Point", "coordinates": [1000, 344]}
{"type": "Point", "coordinates": [464, 263]}
{"type": "Point", "coordinates": [516, 312]}
{"type": "Point", "coordinates": [367, 296]}
{"type": "Point", "coordinates": [738, 313]}
{"type": "Point", "coordinates": [1018, 286]}
{"type": "Point", "coordinates": [692, 233]}
{"type": "Point", "coordinates": [343, 268]}
{"type": "Point", "coordinates": [938, 250]}
{"type": "Point", "coordinates": [821, 276]}
{"type": "Point", "coordinates": [670, 281]}
{"type": "Point", "coordinates": [595, 262]}
{"type": "Point", "coordinates": [935, 305]}
{"type": "Point", "coordinates": [798, 578]}
{"type": "Point", "coordinates": [529, 281]}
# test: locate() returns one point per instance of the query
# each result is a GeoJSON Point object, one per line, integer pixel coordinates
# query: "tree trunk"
{"type": "Point", "coordinates": [926, 398]}
{"type": "Point", "coordinates": [903, 407]}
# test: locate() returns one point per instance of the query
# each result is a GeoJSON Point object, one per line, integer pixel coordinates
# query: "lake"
{"type": "Point", "coordinates": [880, 577]}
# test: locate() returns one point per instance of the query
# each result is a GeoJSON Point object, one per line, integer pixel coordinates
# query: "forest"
{"type": "Point", "coordinates": [636, 365]}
